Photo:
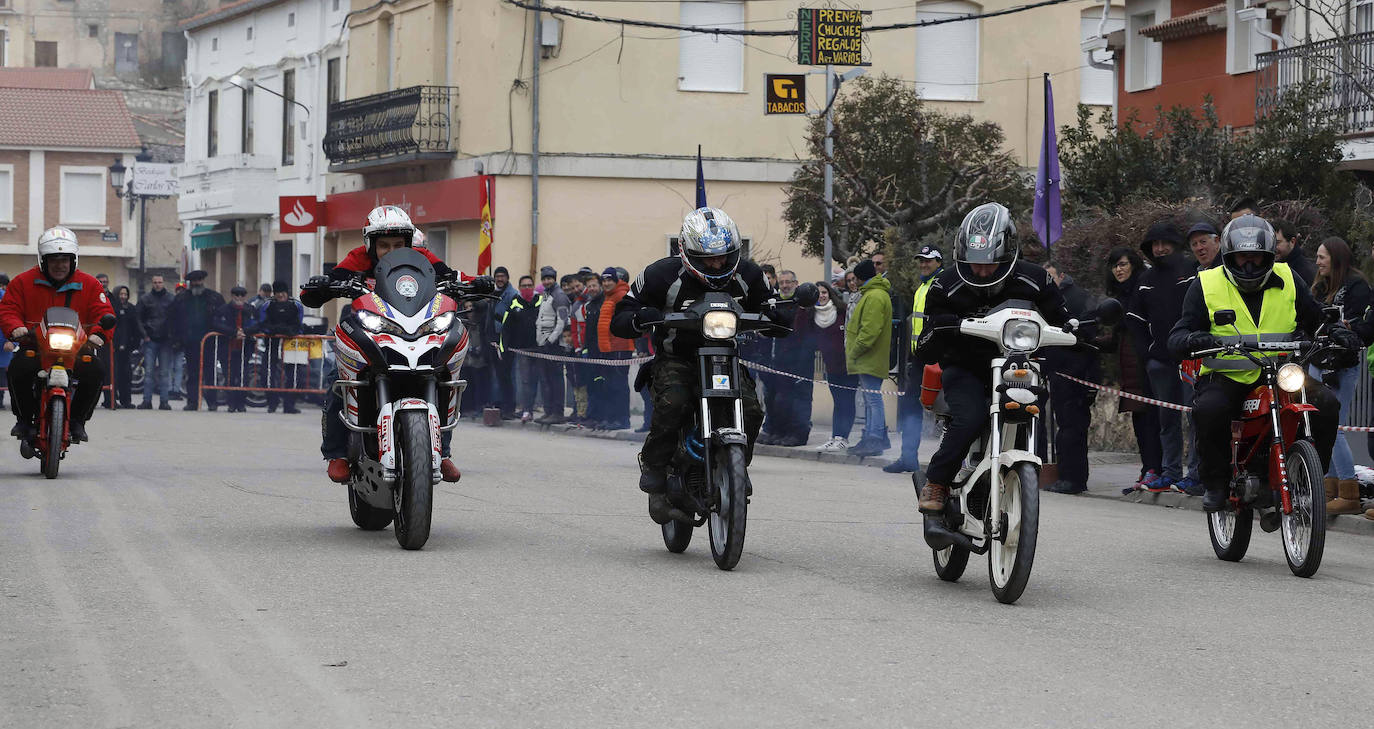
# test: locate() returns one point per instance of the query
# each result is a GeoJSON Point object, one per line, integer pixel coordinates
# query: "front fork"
{"type": "Point", "coordinates": [1277, 457]}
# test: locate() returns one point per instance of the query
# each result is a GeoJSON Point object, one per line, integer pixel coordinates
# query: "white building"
{"type": "Point", "coordinates": [246, 146]}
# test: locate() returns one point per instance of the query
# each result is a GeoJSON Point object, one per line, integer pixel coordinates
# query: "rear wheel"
{"type": "Point", "coordinates": [1011, 555]}
{"type": "Point", "coordinates": [57, 417]}
{"type": "Point", "coordinates": [366, 516]}
{"type": "Point", "coordinates": [730, 484]}
{"type": "Point", "coordinates": [676, 536]}
{"type": "Point", "coordinates": [414, 487]}
{"type": "Point", "coordinates": [1304, 530]}
{"type": "Point", "coordinates": [1230, 532]}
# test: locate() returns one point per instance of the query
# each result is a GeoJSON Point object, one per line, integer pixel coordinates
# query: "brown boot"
{"type": "Point", "coordinates": [1348, 499]}
{"type": "Point", "coordinates": [1369, 515]}
{"type": "Point", "coordinates": [932, 497]}
{"type": "Point", "coordinates": [1331, 489]}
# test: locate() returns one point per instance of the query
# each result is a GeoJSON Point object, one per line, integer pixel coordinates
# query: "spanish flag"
{"type": "Point", "coordinates": [484, 237]}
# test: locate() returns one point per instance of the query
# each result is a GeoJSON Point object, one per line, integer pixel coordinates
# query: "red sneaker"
{"type": "Point", "coordinates": [449, 470]}
{"type": "Point", "coordinates": [339, 470]}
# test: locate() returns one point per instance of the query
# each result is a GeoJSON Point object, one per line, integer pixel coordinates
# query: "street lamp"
{"type": "Point", "coordinates": [124, 188]}
{"type": "Point", "coordinates": [244, 83]}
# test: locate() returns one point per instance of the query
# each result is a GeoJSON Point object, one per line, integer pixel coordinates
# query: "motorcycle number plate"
{"type": "Point", "coordinates": [720, 382]}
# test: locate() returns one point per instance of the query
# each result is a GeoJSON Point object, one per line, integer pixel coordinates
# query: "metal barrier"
{"type": "Point", "coordinates": [262, 363]}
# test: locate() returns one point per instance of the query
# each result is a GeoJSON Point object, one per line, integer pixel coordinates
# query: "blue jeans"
{"type": "Point", "coordinates": [1342, 460]}
{"type": "Point", "coordinates": [910, 418]}
{"type": "Point", "coordinates": [157, 370]}
{"type": "Point", "coordinates": [875, 419]}
{"type": "Point", "coordinates": [842, 421]}
{"type": "Point", "coordinates": [1166, 385]}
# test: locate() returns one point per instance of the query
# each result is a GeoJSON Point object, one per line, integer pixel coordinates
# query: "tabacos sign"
{"type": "Point", "coordinates": [300, 213]}
{"type": "Point", "coordinates": [784, 93]}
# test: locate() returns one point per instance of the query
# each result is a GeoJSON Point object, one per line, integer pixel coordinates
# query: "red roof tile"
{"type": "Point", "coordinates": [57, 118]}
{"type": "Point", "coordinates": [45, 78]}
{"type": "Point", "coordinates": [1185, 26]}
{"type": "Point", "coordinates": [224, 11]}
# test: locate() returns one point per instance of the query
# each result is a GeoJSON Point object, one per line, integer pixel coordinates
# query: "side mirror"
{"type": "Point", "coordinates": [807, 294]}
{"type": "Point", "coordinates": [108, 321]}
{"type": "Point", "coordinates": [1331, 314]}
{"type": "Point", "coordinates": [1109, 311]}
{"type": "Point", "coordinates": [1224, 317]}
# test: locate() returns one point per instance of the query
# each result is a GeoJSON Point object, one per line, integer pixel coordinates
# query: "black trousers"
{"type": "Point", "coordinates": [124, 377]}
{"type": "Point", "coordinates": [675, 393]}
{"type": "Point", "coordinates": [968, 395]}
{"type": "Point", "coordinates": [23, 381]}
{"type": "Point", "coordinates": [478, 393]}
{"type": "Point", "coordinates": [1217, 401]}
{"type": "Point", "coordinates": [505, 381]}
{"type": "Point", "coordinates": [553, 385]}
{"type": "Point", "coordinates": [1072, 405]}
{"type": "Point", "coordinates": [278, 375]}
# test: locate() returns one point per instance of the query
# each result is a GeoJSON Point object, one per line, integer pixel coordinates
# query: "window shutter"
{"type": "Point", "coordinates": [708, 62]}
{"type": "Point", "coordinates": [1096, 85]}
{"type": "Point", "coordinates": [6, 196]}
{"type": "Point", "coordinates": [947, 55]}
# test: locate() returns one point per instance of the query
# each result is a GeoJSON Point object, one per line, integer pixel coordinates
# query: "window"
{"type": "Point", "coordinates": [386, 64]}
{"type": "Point", "coordinates": [290, 20]}
{"type": "Point", "coordinates": [947, 54]}
{"type": "Point", "coordinates": [126, 53]}
{"type": "Point", "coordinates": [214, 44]}
{"type": "Point", "coordinates": [1364, 16]}
{"type": "Point", "coordinates": [336, 6]}
{"type": "Point", "coordinates": [250, 32]}
{"type": "Point", "coordinates": [1097, 86]}
{"type": "Point", "coordinates": [83, 196]}
{"type": "Point", "coordinates": [212, 124]}
{"type": "Point", "coordinates": [4, 41]}
{"type": "Point", "coordinates": [331, 75]}
{"type": "Point", "coordinates": [1144, 59]}
{"type": "Point", "coordinates": [6, 194]}
{"type": "Point", "coordinates": [288, 118]}
{"type": "Point", "coordinates": [45, 54]}
{"type": "Point", "coordinates": [436, 240]}
{"type": "Point", "coordinates": [246, 122]}
{"type": "Point", "coordinates": [1243, 39]}
{"type": "Point", "coordinates": [92, 31]}
{"type": "Point", "coordinates": [710, 62]}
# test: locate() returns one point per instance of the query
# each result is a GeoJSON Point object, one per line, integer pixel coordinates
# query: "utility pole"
{"type": "Point", "coordinates": [832, 89]}
{"type": "Point", "coordinates": [534, 137]}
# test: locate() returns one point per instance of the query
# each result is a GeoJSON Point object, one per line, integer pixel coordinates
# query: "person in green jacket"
{"type": "Point", "coordinates": [868, 336]}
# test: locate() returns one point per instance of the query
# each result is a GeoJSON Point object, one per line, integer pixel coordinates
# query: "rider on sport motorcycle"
{"type": "Point", "coordinates": [709, 260]}
{"type": "Point", "coordinates": [987, 271]}
{"type": "Point", "coordinates": [1267, 301]}
{"type": "Point", "coordinates": [55, 281]}
{"type": "Point", "coordinates": [388, 228]}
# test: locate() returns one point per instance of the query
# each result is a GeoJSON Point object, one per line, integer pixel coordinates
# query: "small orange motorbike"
{"type": "Point", "coordinates": [57, 344]}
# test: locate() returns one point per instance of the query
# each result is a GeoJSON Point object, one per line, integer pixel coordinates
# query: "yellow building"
{"type": "Point", "coordinates": [439, 90]}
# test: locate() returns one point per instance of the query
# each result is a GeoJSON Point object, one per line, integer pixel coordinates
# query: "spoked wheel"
{"type": "Point", "coordinates": [676, 536]}
{"type": "Point", "coordinates": [1230, 531]}
{"type": "Point", "coordinates": [1304, 530]}
{"type": "Point", "coordinates": [368, 517]}
{"type": "Point", "coordinates": [1010, 557]}
{"type": "Point", "coordinates": [57, 417]}
{"type": "Point", "coordinates": [950, 563]}
{"type": "Point", "coordinates": [729, 479]}
{"type": "Point", "coordinates": [414, 494]}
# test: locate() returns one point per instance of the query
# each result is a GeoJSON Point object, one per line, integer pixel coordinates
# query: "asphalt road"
{"type": "Point", "coordinates": [197, 570]}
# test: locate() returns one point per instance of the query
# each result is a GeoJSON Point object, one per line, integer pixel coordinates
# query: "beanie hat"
{"type": "Point", "coordinates": [865, 270]}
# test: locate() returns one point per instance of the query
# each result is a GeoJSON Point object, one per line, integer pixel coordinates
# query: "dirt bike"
{"type": "Point", "coordinates": [994, 507]}
{"type": "Point", "coordinates": [708, 478]}
{"type": "Point", "coordinates": [58, 343]}
{"type": "Point", "coordinates": [1275, 468]}
{"type": "Point", "coordinates": [398, 349]}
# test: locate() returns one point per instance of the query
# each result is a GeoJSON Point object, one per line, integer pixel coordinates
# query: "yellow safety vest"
{"type": "Point", "coordinates": [1278, 320]}
{"type": "Point", "coordinates": [918, 311]}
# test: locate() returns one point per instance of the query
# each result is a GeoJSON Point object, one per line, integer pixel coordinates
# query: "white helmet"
{"type": "Point", "coordinates": [418, 241]}
{"type": "Point", "coordinates": [708, 233]}
{"type": "Point", "coordinates": [387, 220]}
{"type": "Point", "coordinates": [55, 241]}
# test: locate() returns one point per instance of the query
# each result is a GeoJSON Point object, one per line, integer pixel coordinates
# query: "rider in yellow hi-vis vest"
{"type": "Point", "coordinates": [1269, 306]}
{"type": "Point", "coordinates": [910, 413]}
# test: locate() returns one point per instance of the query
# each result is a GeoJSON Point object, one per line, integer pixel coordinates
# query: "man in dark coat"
{"type": "Point", "coordinates": [236, 322]}
{"type": "Point", "coordinates": [1071, 402]}
{"type": "Point", "coordinates": [192, 315]}
{"type": "Point", "coordinates": [281, 317]}
{"type": "Point", "coordinates": [153, 316]}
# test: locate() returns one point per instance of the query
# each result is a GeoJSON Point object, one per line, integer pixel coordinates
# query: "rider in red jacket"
{"type": "Point", "coordinates": [55, 281]}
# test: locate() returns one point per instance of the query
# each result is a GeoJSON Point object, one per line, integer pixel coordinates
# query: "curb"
{"type": "Point", "coordinates": [1355, 524]}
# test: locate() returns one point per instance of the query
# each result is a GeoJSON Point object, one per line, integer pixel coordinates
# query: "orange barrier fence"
{"type": "Point", "coordinates": [263, 363]}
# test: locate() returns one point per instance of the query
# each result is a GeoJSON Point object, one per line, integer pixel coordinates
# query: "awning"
{"type": "Point", "coordinates": [211, 236]}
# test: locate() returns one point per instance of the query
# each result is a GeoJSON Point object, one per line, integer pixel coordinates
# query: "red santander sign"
{"type": "Point", "coordinates": [300, 213]}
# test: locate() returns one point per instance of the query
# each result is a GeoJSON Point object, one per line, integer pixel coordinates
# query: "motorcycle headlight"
{"type": "Point", "coordinates": [719, 324]}
{"type": "Point", "coordinates": [439, 324]}
{"type": "Point", "coordinates": [61, 341]}
{"type": "Point", "coordinates": [1021, 335]}
{"type": "Point", "coordinates": [1291, 377]}
{"type": "Point", "coordinates": [377, 323]}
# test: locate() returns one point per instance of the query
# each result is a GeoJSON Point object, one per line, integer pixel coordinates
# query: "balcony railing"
{"type": "Point", "coordinates": [414, 123]}
{"type": "Point", "coordinates": [1345, 67]}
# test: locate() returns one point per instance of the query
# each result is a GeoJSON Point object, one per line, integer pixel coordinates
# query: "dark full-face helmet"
{"type": "Point", "coordinates": [987, 237]}
{"type": "Point", "coordinates": [1248, 234]}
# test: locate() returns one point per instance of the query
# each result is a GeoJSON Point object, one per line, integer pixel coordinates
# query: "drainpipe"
{"type": "Point", "coordinates": [534, 138]}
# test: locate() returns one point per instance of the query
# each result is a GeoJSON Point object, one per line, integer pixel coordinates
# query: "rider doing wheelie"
{"type": "Point", "coordinates": [1270, 304]}
{"type": "Point", "coordinates": [987, 271]}
{"type": "Point", "coordinates": [710, 259]}
{"type": "Point", "coordinates": [55, 281]}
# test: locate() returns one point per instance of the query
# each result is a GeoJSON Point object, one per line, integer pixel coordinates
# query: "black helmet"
{"type": "Point", "coordinates": [987, 236]}
{"type": "Point", "coordinates": [1247, 234]}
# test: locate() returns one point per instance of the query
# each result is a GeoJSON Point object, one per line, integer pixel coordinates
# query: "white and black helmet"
{"type": "Point", "coordinates": [707, 233]}
{"type": "Point", "coordinates": [56, 241]}
{"type": "Point", "coordinates": [1248, 234]}
{"type": "Point", "coordinates": [387, 220]}
{"type": "Point", "coordinates": [987, 236]}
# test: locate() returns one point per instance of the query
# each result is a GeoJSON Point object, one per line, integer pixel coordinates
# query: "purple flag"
{"type": "Point", "coordinates": [701, 182]}
{"type": "Point", "coordinates": [1047, 218]}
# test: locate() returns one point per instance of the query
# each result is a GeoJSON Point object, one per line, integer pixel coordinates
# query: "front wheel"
{"type": "Point", "coordinates": [57, 417]}
{"type": "Point", "coordinates": [414, 496]}
{"type": "Point", "coordinates": [1304, 530]}
{"type": "Point", "coordinates": [1011, 555]}
{"type": "Point", "coordinates": [729, 480]}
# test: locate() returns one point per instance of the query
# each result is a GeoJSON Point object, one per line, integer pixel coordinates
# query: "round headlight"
{"type": "Point", "coordinates": [719, 324]}
{"type": "Point", "coordinates": [1291, 377]}
{"type": "Point", "coordinates": [1020, 335]}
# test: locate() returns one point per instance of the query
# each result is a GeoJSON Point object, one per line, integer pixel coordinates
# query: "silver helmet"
{"type": "Point", "coordinates": [1248, 234]}
{"type": "Point", "coordinates": [708, 233]}
{"type": "Point", "coordinates": [986, 237]}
